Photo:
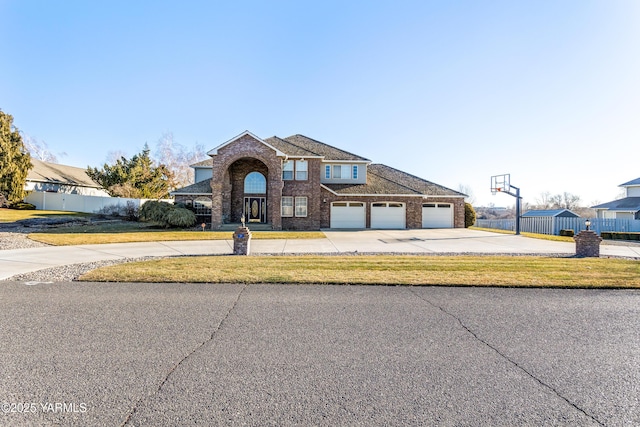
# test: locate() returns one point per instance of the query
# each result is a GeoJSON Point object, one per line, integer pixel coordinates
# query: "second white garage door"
{"type": "Point", "coordinates": [388, 215]}
{"type": "Point", "coordinates": [348, 215]}
{"type": "Point", "coordinates": [437, 215]}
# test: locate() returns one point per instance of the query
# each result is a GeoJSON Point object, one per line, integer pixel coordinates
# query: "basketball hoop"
{"type": "Point", "coordinates": [502, 184]}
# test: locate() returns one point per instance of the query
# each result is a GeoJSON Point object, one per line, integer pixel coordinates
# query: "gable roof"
{"type": "Point", "coordinates": [385, 180]}
{"type": "Point", "coordinates": [214, 151]}
{"type": "Point", "coordinates": [60, 174]}
{"type": "Point", "coordinates": [551, 213]}
{"type": "Point", "coordinates": [321, 149]}
{"type": "Point", "coordinates": [630, 183]}
{"type": "Point", "coordinates": [289, 148]}
{"type": "Point", "coordinates": [628, 204]}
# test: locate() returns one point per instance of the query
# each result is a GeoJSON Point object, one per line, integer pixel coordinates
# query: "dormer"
{"type": "Point", "coordinates": [344, 172]}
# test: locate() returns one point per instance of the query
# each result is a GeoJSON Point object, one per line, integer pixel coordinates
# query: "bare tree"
{"type": "Point", "coordinates": [178, 158]}
{"type": "Point", "coordinates": [544, 201]}
{"type": "Point", "coordinates": [556, 201]}
{"type": "Point", "coordinates": [570, 201]}
{"type": "Point", "coordinates": [114, 156]}
{"type": "Point", "coordinates": [39, 149]}
{"type": "Point", "coordinates": [466, 189]}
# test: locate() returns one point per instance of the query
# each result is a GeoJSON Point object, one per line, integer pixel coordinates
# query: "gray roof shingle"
{"type": "Point", "coordinates": [383, 179]}
{"type": "Point", "coordinates": [318, 148]}
{"type": "Point", "coordinates": [60, 174]}
{"type": "Point", "coordinates": [626, 204]}
{"type": "Point", "coordinates": [632, 182]}
{"type": "Point", "coordinates": [202, 187]}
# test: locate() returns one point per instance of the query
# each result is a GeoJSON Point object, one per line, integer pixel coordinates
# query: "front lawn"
{"type": "Point", "coordinates": [521, 271]}
{"type": "Point", "coordinates": [13, 215]}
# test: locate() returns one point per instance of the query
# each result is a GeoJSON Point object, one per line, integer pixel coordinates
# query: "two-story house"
{"type": "Point", "coordinates": [298, 183]}
{"type": "Point", "coordinates": [625, 208]}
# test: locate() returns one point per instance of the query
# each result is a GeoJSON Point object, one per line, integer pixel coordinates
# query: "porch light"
{"type": "Point", "coordinates": [587, 223]}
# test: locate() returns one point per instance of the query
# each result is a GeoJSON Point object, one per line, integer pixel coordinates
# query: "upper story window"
{"type": "Point", "coordinates": [298, 169]}
{"type": "Point", "coordinates": [255, 183]}
{"type": "Point", "coordinates": [302, 170]}
{"type": "Point", "coordinates": [287, 170]}
{"type": "Point", "coordinates": [341, 171]}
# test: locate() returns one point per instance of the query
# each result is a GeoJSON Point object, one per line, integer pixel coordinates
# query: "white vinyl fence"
{"type": "Point", "coordinates": [554, 225]}
{"type": "Point", "coordinates": [78, 202]}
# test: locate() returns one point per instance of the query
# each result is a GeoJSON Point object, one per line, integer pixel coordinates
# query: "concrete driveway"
{"type": "Point", "coordinates": [440, 241]}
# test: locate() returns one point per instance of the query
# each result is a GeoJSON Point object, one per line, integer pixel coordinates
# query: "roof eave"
{"type": "Point", "coordinates": [214, 152]}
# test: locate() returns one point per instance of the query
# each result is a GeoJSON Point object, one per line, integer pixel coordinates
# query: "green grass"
{"type": "Point", "coordinates": [12, 215]}
{"type": "Point", "coordinates": [382, 270]}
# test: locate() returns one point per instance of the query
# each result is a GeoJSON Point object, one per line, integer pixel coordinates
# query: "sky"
{"type": "Point", "coordinates": [453, 91]}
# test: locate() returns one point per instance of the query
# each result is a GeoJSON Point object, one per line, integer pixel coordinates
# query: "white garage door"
{"type": "Point", "coordinates": [388, 215]}
{"type": "Point", "coordinates": [437, 215]}
{"type": "Point", "coordinates": [348, 215]}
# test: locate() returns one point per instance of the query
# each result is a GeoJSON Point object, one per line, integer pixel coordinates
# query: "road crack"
{"type": "Point", "coordinates": [507, 358]}
{"type": "Point", "coordinates": [184, 359]}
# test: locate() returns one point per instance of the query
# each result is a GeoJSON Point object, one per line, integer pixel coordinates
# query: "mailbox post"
{"type": "Point", "coordinates": [242, 240]}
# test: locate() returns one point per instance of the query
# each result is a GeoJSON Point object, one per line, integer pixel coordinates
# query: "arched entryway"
{"type": "Point", "coordinates": [245, 191]}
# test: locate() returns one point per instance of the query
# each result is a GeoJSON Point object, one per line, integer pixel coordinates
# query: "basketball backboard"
{"type": "Point", "coordinates": [501, 183]}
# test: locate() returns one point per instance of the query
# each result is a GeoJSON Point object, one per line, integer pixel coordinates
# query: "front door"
{"type": "Point", "coordinates": [255, 209]}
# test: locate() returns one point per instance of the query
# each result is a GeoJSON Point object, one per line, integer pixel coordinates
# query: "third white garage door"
{"type": "Point", "coordinates": [437, 215]}
{"type": "Point", "coordinates": [348, 215]}
{"type": "Point", "coordinates": [388, 215]}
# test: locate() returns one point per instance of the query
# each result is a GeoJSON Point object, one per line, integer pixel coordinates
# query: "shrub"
{"type": "Point", "coordinates": [567, 233]}
{"type": "Point", "coordinates": [180, 217]}
{"type": "Point", "coordinates": [22, 206]}
{"type": "Point", "coordinates": [166, 215]}
{"type": "Point", "coordinates": [469, 215]}
{"type": "Point", "coordinates": [614, 235]}
{"type": "Point", "coordinates": [154, 211]}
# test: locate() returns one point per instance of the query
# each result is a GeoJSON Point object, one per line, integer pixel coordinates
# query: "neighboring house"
{"type": "Point", "coordinates": [55, 178]}
{"type": "Point", "coordinates": [298, 183]}
{"type": "Point", "coordinates": [625, 208]}
{"type": "Point", "coordinates": [550, 213]}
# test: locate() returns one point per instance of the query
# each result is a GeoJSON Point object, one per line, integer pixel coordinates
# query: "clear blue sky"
{"type": "Point", "coordinates": [451, 91]}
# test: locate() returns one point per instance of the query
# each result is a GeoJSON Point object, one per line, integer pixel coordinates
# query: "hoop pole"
{"type": "Point", "coordinates": [518, 198]}
{"type": "Point", "coordinates": [518, 204]}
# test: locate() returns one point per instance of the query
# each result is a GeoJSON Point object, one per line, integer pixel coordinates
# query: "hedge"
{"type": "Point", "coordinates": [616, 235]}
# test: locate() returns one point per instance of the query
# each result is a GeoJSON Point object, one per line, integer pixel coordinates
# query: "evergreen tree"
{"type": "Point", "coordinates": [136, 178]}
{"type": "Point", "coordinates": [15, 161]}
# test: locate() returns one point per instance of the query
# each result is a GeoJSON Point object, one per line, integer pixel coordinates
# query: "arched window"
{"type": "Point", "coordinates": [255, 183]}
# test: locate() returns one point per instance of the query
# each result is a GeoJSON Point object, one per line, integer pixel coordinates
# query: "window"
{"type": "Point", "coordinates": [287, 206]}
{"type": "Point", "coordinates": [341, 172]}
{"type": "Point", "coordinates": [202, 205]}
{"type": "Point", "coordinates": [287, 170]}
{"type": "Point", "coordinates": [302, 167]}
{"type": "Point", "coordinates": [255, 183]}
{"type": "Point", "coordinates": [301, 206]}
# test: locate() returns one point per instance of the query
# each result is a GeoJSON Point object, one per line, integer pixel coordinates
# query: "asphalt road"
{"type": "Point", "coordinates": [199, 354]}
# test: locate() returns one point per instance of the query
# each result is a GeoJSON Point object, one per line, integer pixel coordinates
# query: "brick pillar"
{"type": "Point", "coordinates": [242, 241]}
{"type": "Point", "coordinates": [587, 244]}
{"type": "Point", "coordinates": [216, 205]}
